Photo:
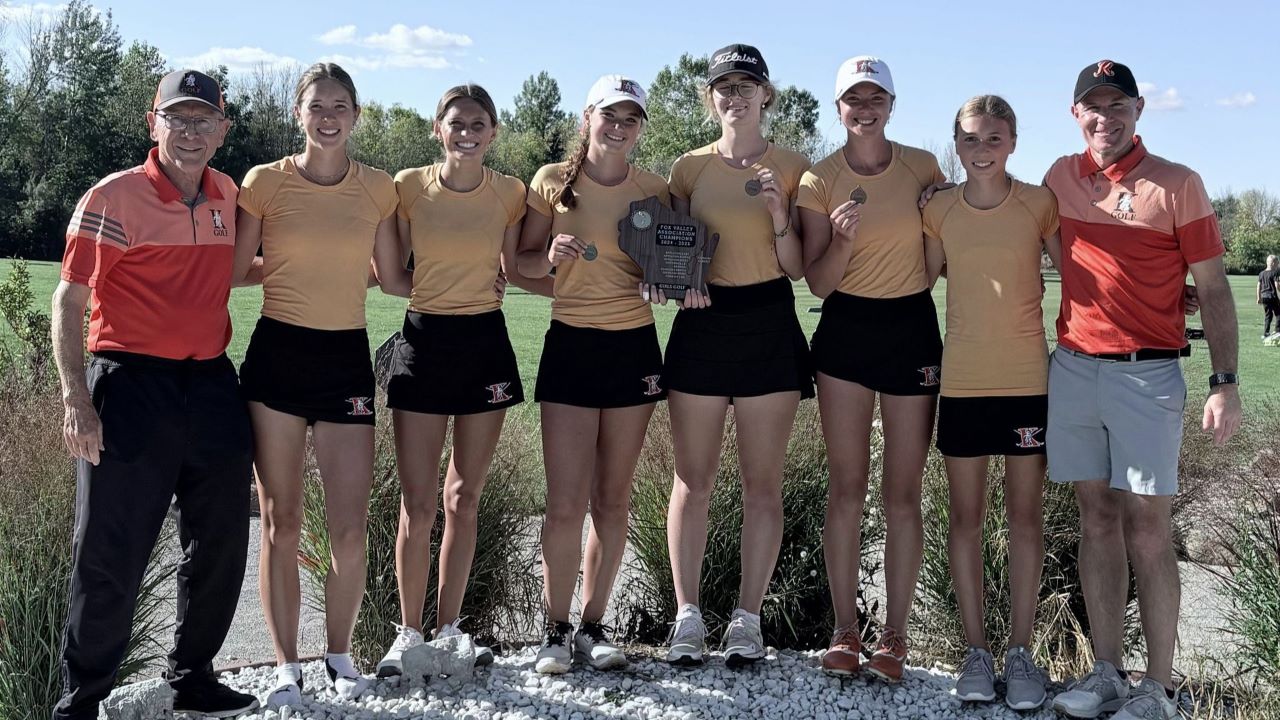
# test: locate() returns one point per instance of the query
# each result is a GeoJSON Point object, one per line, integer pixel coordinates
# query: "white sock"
{"type": "Point", "coordinates": [748, 616]}
{"type": "Point", "coordinates": [347, 681]}
{"type": "Point", "coordinates": [342, 664]}
{"type": "Point", "coordinates": [288, 673]}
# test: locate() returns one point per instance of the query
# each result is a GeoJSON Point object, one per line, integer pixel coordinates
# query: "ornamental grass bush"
{"type": "Point", "coordinates": [1251, 582]}
{"type": "Point", "coordinates": [1060, 639]}
{"type": "Point", "coordinates": [37, 518]}
{"type": "Point", "coordinates": [797, 607]}
{"type": "Point", "coordinates": [503, 594]}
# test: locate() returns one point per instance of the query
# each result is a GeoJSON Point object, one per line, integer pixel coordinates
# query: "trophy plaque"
{"type": "Point", "coordinates": [673, 250]}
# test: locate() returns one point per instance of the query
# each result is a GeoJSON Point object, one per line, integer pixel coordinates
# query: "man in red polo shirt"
{"type": "Point", "coordinates": [1133, 224]}
{"type": "Point", "coordinates": [158, 414]}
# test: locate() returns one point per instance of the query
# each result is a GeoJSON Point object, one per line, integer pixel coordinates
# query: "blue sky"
{"type": "Point", "coordinates": [1208, 69]}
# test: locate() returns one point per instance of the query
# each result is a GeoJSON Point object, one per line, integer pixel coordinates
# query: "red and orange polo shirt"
{"type": "Point", "coordinates": [1129, 232]}
{"type": "Point", "coordinates": [160, 270]}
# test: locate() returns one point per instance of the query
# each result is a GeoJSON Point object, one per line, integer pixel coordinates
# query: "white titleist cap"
{"type": "Point", "coordinates": [613, 89]}
{"type": "Point", "coordinates": [863, 68]}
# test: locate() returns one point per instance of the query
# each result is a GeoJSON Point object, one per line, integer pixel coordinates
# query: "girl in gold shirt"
{"type": "Point", "coordinates": [461, 221]}
{"type": "Point", "coordinates": [601, 368]}
{"type": "Point", "coordinates": [744, 349]}
{"type": "Point", "coordinates": [864, 253]}
{"type": "Point", "coordinates": [319, 218]}
{"type": "Point", "coordinates": [989, 232]}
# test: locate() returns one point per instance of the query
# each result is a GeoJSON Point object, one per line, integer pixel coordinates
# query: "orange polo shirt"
{"type": "Point", "coordinates": [159, 269]}
{"type": "Point", "coordinates": [1129, 231]}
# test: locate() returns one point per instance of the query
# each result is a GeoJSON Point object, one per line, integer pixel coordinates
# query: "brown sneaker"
{"type": "Point", "coordinates": [890, 656]}
{"type": "Point", "coordinates": [843, 657]}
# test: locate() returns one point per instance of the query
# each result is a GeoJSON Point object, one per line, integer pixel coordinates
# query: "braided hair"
{"type": "Point", "coordinates": [571, 171]}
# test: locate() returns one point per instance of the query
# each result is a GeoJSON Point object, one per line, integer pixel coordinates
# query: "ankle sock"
{"type": "Point", "coordinates": [289, 673]}
{"type": "Point", "coordinates": [341, 664]}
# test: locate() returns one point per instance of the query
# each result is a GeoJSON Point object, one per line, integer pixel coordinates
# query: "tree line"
{"type": "Point", "coordinates": [73, 95]}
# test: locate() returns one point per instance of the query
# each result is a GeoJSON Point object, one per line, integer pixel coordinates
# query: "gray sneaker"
{"type": "Point", "coordinates": [743, 642]}
{"type": "Point", "coordinates": [1148, 701]}
{"type": "Point", "coordinates": [1101, 691]}
{"type": "Point", "coordinates": [1024, 681]}
{"type": "Point", "coordinates": [977, 679]}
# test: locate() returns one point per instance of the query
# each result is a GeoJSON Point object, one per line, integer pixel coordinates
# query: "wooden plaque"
{"type": "Point", "coordinates": [673, 250]}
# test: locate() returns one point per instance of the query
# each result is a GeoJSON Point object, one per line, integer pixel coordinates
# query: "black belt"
{"type": "Point", "coordinates": [1137, 355]}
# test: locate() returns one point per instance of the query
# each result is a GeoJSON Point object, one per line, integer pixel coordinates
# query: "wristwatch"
{"type": "Point", "coordinates": [1217, 379]}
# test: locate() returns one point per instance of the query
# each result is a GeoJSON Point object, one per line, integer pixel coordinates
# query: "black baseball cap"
{"type": "Point", "coordinates": [1106, 73]}
{"type": "Point", "coordinates": [183, 85]}
{"type": "Point", "coordinates": [737, 58]}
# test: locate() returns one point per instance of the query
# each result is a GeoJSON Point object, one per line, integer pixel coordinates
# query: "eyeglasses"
{"type": "Point", "coordinates": [745, 90]}
{"type": "Point", "coordinates": [198, 125]}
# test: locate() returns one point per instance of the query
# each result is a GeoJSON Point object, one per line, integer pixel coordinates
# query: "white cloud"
{"type": "Point", "coordinates": [1239, 100]}
{"type": "Point", "coordinates": [400, 47]}
{"type": "Point", "coordinates": [344, 35]}
{"type": "Point", "coordinates": [404, 39]}
{"type": "Point", "coordinates": [237, 59]}
{"type": "Point", "coordinates": [39, 12]}
{"type": "Point", "coordinates": [1158, 100]}
{"type": "Point", "coordinates": [364, 62]}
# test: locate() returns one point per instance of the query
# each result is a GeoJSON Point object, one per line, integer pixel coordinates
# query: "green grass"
{"type": "Point", "coordinates": [528, 315]}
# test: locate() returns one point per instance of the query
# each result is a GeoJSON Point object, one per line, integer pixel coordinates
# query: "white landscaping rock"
{"type": "Point", "coordinates": [147, 700]}
{"type": "Point", "coordinates": [451, 657]}
{"type": "Point", "coordinates": [789, 685]}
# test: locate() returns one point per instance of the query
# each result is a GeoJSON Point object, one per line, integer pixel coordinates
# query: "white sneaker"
{"type": "Point", "coordinates": [406, 637]}
{"type": "Point", "coordinates": [288, 689]}
{"type": "Point", "coordinates": [554, 656]}
{"type": "Point", "coordinates": [591, 645]}
{"type": "Point", "coordinates": [743, 642]}
{"type": "Point", "coordinates": [1148, 701]}
{"type": "Point", "coordinates": [484, 654]}
{"type": "Point", "coordinates": [345, 680]}
{"type": "Point", "coordinates": [1102, 690]}
{"type": "Point", "coordinates": [688, 637]}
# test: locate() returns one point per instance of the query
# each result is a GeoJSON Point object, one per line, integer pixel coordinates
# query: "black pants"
{"type": "Point", "coordinates": [172, 429]}
{"type": "Point", "coordinates": [1271, 310]}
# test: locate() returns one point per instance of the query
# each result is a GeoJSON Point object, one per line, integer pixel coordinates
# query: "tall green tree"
{"type": "Point", "coordinates": [518, 154]}
{"type": "Point", "coordinates": [72, 145]}
{"type": "Point", "coordinates": [537, 128]}
{"type": "Point", "coordinates": [393, 138]}
{"type": "Point", "coordinates": [793, 120]}
{"type": "Point", "coordinates": [677, 120]}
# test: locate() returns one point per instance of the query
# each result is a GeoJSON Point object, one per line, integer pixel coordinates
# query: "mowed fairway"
{"type": "Point", "coordinates": [527, 317]}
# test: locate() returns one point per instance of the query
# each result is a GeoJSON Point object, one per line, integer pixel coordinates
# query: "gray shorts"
{"type": "Point", "coordinates": [1117, 421]}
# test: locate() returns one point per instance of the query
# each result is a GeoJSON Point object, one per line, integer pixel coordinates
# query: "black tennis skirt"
{"type": "Point", "coordinates": [748, 342]}
{"type": "Point", "coordinates": [594, 368]}
{"type": "Point", "coordinates": [454, 365]}
{"type": "Point", "coordinates": [992, 425]}
{"type": "Point", "coordinates": [319, 375]}
{"type": "Point", "coordinates": [890, 345]}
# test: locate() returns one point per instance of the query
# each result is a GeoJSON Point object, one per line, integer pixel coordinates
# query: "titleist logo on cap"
{"type": "Point", "coordinates": [729, 57]}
